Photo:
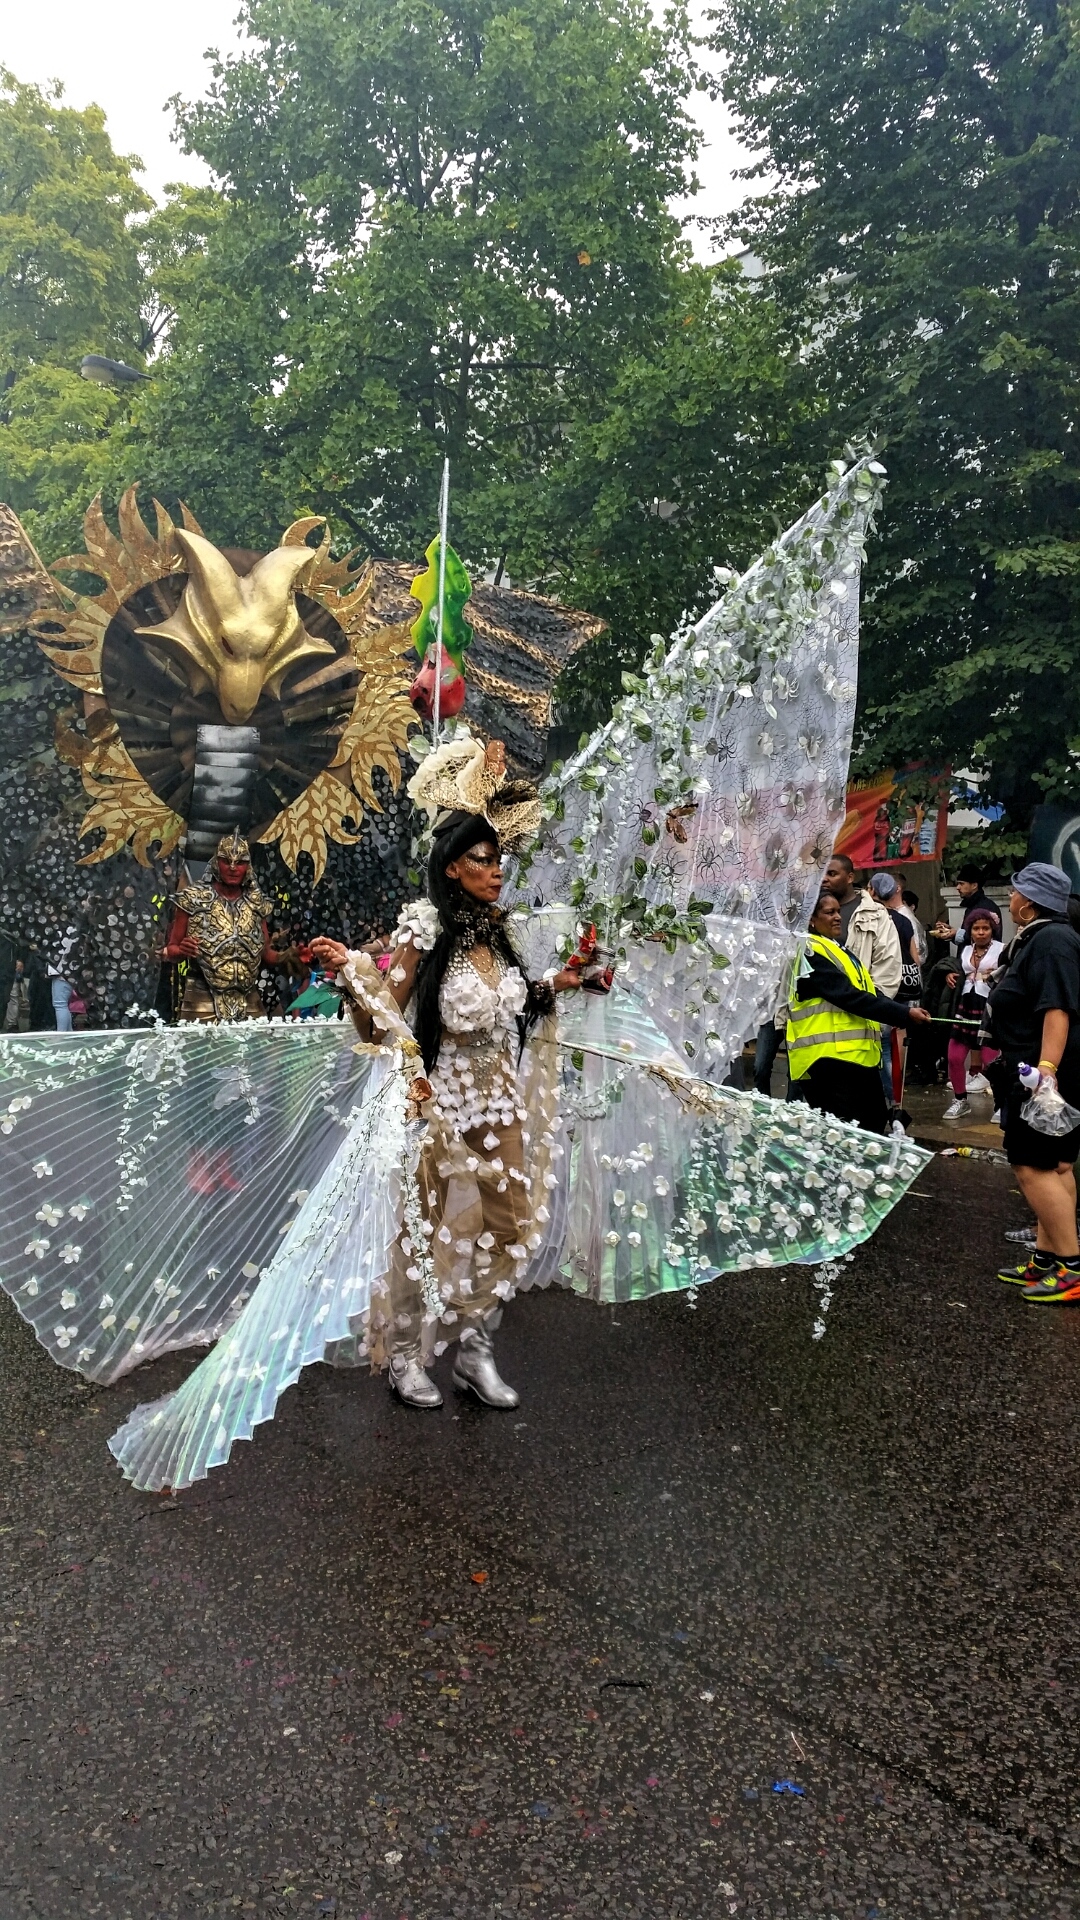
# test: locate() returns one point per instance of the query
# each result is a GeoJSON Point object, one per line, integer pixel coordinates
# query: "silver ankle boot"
{"type": "Point", "coordinates": [475, 1368]}
{"type": "Point", "coordinates": [410, 1382]}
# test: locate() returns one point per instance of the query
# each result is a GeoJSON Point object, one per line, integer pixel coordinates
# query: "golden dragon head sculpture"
{"type": "Point", "coordinates": [238, 633]}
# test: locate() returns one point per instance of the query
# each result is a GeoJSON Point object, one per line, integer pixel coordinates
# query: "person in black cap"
{"type": "Point", "coordinates": [1034, 1012]}
{"type": "Point", "coordinates": [973, 898]}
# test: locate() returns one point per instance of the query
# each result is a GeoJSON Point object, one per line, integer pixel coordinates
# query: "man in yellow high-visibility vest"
{"type": "Point", "coordinates": [833, 1031]}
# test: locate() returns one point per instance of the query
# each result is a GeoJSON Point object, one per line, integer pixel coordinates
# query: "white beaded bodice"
{"type": "Point", "coordinates": [474, 1081]}
{"type": "Point", "coordinates": [469, 1004]}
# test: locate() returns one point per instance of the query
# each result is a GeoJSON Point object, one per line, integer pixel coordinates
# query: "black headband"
{"type": "Point", "coordinates": [458, 832]}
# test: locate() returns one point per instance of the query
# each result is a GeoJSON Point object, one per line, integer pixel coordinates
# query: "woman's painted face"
{"type": "Point", "coordinates": [479, 871]}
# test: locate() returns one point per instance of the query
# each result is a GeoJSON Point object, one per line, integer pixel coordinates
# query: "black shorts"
{"type": "Point", "coordinates": [1025, 1146]}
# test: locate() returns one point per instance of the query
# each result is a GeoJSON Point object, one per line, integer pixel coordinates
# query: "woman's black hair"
{"type": "Point", "coordinates": [465, 922]}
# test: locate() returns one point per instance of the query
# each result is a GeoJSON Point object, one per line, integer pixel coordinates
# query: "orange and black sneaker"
{"type": "Point", "coordinates": [1035, 1267]}
{"type": "Point", "coordinates": [1058, 1287]}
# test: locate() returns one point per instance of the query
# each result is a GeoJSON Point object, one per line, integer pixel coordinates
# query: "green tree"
{"type": "Point", "coordinates": [707, 447]}
{"type": "Point", "coordinates": [444, 226]}
{"type": "Point", "coordinates": [447, 231]}
{"type": "Point", "coordinates": [71, 282]}
{"type": "Point", "coordinates": [923, 233]}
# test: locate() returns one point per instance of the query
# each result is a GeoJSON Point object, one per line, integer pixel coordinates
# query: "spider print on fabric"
{"type": "Point", "coordinates": [722, 746]}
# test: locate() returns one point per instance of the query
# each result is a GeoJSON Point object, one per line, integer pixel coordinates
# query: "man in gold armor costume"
{"type": "Point", "coordinates": [220, 927]}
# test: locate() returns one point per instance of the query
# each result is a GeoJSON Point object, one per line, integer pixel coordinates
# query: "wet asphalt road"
{"type": "Point", "coordinates": [718, 1559]}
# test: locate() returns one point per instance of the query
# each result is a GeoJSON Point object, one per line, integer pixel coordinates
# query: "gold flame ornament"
{"type": "Point", "coordinates": [238, 633]}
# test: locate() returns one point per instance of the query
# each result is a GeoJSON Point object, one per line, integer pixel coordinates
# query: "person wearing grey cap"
{"type": "Point", "coordinates": [1034, 1012]}
{"type": "Point", "coordinates": [885, 888]}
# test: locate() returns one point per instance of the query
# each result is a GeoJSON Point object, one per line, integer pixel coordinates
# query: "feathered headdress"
{"type": "Point", "coordinates": [465, 776]}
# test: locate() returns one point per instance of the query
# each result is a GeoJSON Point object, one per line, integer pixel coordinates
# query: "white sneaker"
{"type": "Point", "coordinates": [957, 1111]}
{"type": "Point", "coordinates": [977, 1083]}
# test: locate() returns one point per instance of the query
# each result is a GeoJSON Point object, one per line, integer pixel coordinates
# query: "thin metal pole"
{"type": "Point", "coordinates": [444, 515]}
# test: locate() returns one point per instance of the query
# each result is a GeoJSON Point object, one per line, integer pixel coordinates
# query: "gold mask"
{"type": "Point", "coordinates": [238, 634]}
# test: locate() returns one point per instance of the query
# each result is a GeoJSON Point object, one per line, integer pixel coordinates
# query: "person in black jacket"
{"type": "Point", "coordinates": [1034, 1013]}
{"type": "Point", "coordinates": [973, 897]}
{"type": "Point", "coordinates": [843, 1086]}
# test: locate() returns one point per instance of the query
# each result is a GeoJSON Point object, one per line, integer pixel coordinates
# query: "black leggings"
{"type": "Point", "coordinates": [846, 1090]}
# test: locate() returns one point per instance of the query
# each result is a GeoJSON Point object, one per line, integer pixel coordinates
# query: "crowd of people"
{"type": "Point", "coordinates": [870, 980]}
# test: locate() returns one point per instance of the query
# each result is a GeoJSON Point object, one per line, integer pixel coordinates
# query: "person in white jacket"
{"type": "Point", "coordinates": [870, 936]}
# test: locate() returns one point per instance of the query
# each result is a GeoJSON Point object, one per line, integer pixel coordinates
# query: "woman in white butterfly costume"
{"type": "Point", "coordinates": [487, 1090]}
{"type": "Point", "coordinates": [394, 1191]}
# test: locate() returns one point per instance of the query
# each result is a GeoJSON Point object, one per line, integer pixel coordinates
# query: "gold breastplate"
{"type": "Point", "coordinates": [230, 937]}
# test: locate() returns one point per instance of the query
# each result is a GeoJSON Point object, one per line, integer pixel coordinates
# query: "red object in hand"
{"type": "Point", "coordinates": [305, 955]}
{"type": "Point", "coordinates": [451, 691]}
{"type": "Point", "coordinates": [585, 950]}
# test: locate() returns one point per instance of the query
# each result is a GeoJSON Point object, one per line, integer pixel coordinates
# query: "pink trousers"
{"type": "Point", "coordinates": [958, 1053]}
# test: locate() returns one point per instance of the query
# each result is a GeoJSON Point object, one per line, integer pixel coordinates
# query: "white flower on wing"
{"type": "Point", "coordinates": [51, 1215]}
{"type": "Point", "coordinates": [38, 1246]}
{"type": "Point", "coordinates": [79, 1211]}
{"type": "Point", "coordinates": [68, 1299]}
{"type": "Point", "coordinates": [42, 1169]}
{"type": "Point", "coordinates": [65, 1335]}
{"type": "Point", "coordinates": [70, 1254]}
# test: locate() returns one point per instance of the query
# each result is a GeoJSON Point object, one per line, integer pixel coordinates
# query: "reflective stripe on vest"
{"type": "Point", "coordinates": [817, 1030]}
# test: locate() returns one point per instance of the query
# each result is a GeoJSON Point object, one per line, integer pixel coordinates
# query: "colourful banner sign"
{"type": "Point", "coordinates": [897, 816]}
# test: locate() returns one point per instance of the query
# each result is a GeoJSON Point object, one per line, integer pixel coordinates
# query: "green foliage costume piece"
{"type": "Point", "coordinates": [457, 587]}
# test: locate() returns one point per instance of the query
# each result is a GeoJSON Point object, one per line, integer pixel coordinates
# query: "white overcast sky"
{"type": "Point", "coordinates": [131, 58]}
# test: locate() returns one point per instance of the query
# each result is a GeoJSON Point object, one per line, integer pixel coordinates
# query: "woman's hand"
{"type": "Point", "coordinates": [951, 979]}
{"type": "Point", "coordinates": [565, 981]}
{"type": "Point", "coordinates": [419, 1093]}
{"type": "Point", "coordinates": [329, 953]}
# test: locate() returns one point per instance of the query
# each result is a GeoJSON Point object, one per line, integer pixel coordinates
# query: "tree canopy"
{"type": "Point", "coordinates": [447, 231]}
{"type": "Point", "coordinates": [71, 282]}
{"type": "Point", "coordinates": [923, 233]}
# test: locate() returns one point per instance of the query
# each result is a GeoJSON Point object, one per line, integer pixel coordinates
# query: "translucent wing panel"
{"type": "Point", "coordinates": [148, 1177]}
{"type": "Point", "coordinates": [675, 1180]}
{"type": "Point", "coordinates": [721, 776]}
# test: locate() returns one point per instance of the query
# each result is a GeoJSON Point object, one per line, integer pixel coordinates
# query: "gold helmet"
{"type": "Point", "coordinates": [234, 849]}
